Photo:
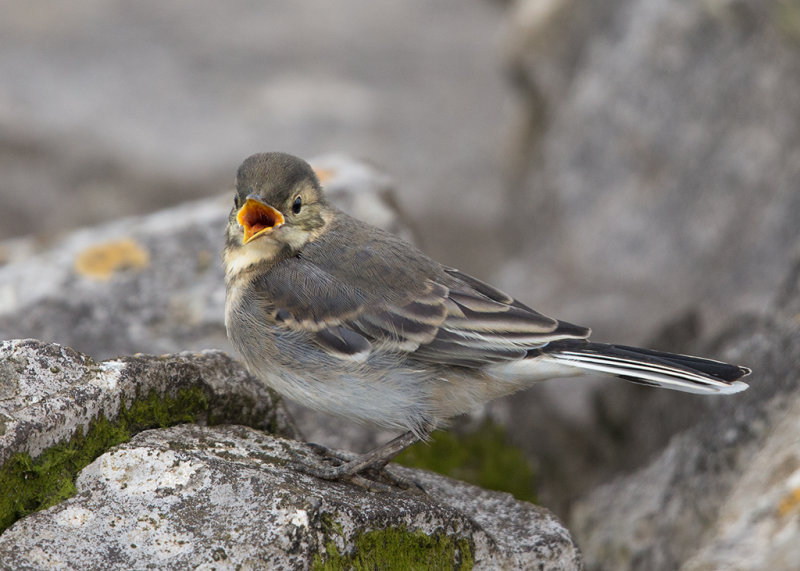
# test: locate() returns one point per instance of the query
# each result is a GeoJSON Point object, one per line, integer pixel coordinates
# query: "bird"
{"type": "Point", "coordinates": [348, 319]}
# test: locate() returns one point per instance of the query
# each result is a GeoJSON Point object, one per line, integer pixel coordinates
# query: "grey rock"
{"type": "Point", "coordinates": [219, 496]}
{"type": "Point", "coordinates": [668, 156]}
{"type": "Point", "coordinates": [660, 206]}
{"type": "Point", "coordinates": [83, 131]}
{"type": "Point", "coordinates": [152, 284]}
{"type": "Point", "coordinates": [757, 525]}
{"type": "Point", "coordinates": [222, 497]}
{"type": "Point", "coordinates": [50, 393]}
{"type": "Point", "coordinates": [545, 45]}
{"type": "Point", "coordinates": [722, 495]}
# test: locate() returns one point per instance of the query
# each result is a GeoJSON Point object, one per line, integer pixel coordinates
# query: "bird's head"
{"type": "Point", "coordinates": [278, 207]}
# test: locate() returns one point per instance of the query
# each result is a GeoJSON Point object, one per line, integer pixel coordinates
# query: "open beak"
{"type": "Point", "coordinates": [258, 218]}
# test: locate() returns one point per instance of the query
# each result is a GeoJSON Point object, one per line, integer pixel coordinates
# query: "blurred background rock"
{"type": "Point", "coordinates": [113, 108]}
{"type": "Point", "coordinates": [631, 165]}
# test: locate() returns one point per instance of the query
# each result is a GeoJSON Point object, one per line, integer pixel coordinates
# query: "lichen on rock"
{"type": "Point", "coordinates": [63, 410]}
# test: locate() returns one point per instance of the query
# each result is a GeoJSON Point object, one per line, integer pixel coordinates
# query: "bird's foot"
{"type": "Point", "coordinates": [370, 470]}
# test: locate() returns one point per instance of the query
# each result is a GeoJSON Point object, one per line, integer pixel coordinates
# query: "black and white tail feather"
{"type": "Point", "coordinates": [647, 367]}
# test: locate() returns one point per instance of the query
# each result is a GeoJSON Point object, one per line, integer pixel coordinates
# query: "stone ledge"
{"type": "Point", "coordinates": [59, 410]}
{"type": "Point", "coordinates": [222, 496]}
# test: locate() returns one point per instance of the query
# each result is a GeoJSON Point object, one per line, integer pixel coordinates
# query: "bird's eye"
{"type": "Point", "coordinates": [297, 205]}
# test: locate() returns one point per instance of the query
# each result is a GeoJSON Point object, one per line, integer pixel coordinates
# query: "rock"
{"type": "Point", "coordinates": [219, 496]}
{"type": "Point", "coordinates": [364, 191]}
{"type": "Point", "coordinates": [152, 284]}
{"type": "Point", "coordinates": [546, 43]}
{"type": "Point", "coordinates": [662, 165]}
{"type": "Point", "coordinates": [758, 524]}
{"type": "Point", "coordinates": [724, 494]}
{"type": "Point", "coordinates": [670, 144]}
{"type": "Point", "coordinates": [60, 409]}
{"type": "Point", "coordinates": [83, 132]}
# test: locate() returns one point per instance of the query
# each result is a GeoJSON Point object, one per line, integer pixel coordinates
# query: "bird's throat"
{"type": "Point", "coordinates": [255, 254]}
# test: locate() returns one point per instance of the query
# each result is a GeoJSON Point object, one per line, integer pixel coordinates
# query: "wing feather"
{"type": "Point", "coordinates": [448, 318]}
{"type": "Point", "coordinates": [343, 342]}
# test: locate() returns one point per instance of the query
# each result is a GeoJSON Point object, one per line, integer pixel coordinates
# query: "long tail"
{"type": "Point", "coordinates": [651, 368]}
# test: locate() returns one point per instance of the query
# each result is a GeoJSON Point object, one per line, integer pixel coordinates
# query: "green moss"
{"type": "Point", "coordinates": [787, 16]}
{"type": "Point", "coordinates": [330, 525]}
{"type": "Point", "coordinates": [398, 548]}
{"type": "Point", "coordinates": [484, 457]}
{"type": "Point", "coordinates": [30, 484]}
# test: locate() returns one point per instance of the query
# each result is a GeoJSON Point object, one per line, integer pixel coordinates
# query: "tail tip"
{"type": "Point", "coordinates": [734, 387]}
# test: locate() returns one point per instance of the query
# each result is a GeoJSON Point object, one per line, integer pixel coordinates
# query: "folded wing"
{"type": "Point", "coordinates": [451, 319]}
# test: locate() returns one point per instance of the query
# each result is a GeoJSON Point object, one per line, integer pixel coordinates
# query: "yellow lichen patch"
{"type": "Point", "coordinates": [324, 175]}
{"type": "Point", "coordinates": [101, 261]}
{"type": "Point", "coordinates": [789, 503]}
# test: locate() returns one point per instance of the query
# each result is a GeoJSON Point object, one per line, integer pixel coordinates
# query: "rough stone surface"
{"type": "Point", "coordinates": [660, 207]}
{"type": "Point", "coordinates": [221, 497]}
{"type": "Point", "coordinates": [213, 496]}
{"type": "Point", "coordinates": [758, 525]}
{"type": "Point", "coordinates": [675, 147]}
{"type": "Point", "coordinates": [49, 392]}
{"type": "Point", "coordinates": [724, 494]}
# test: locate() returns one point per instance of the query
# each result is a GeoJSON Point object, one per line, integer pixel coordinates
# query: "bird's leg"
{"type": "Point", "coordinates": [340, 455]}
{"type": "Point", "coordinates": [352, 468]}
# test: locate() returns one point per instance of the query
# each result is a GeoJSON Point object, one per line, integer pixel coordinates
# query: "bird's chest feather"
{"type": "Point", "coordinates": [382, 391]}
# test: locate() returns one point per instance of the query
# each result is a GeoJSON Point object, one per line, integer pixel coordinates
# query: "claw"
{"type": "Point", "coordinates": [369, 471]}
